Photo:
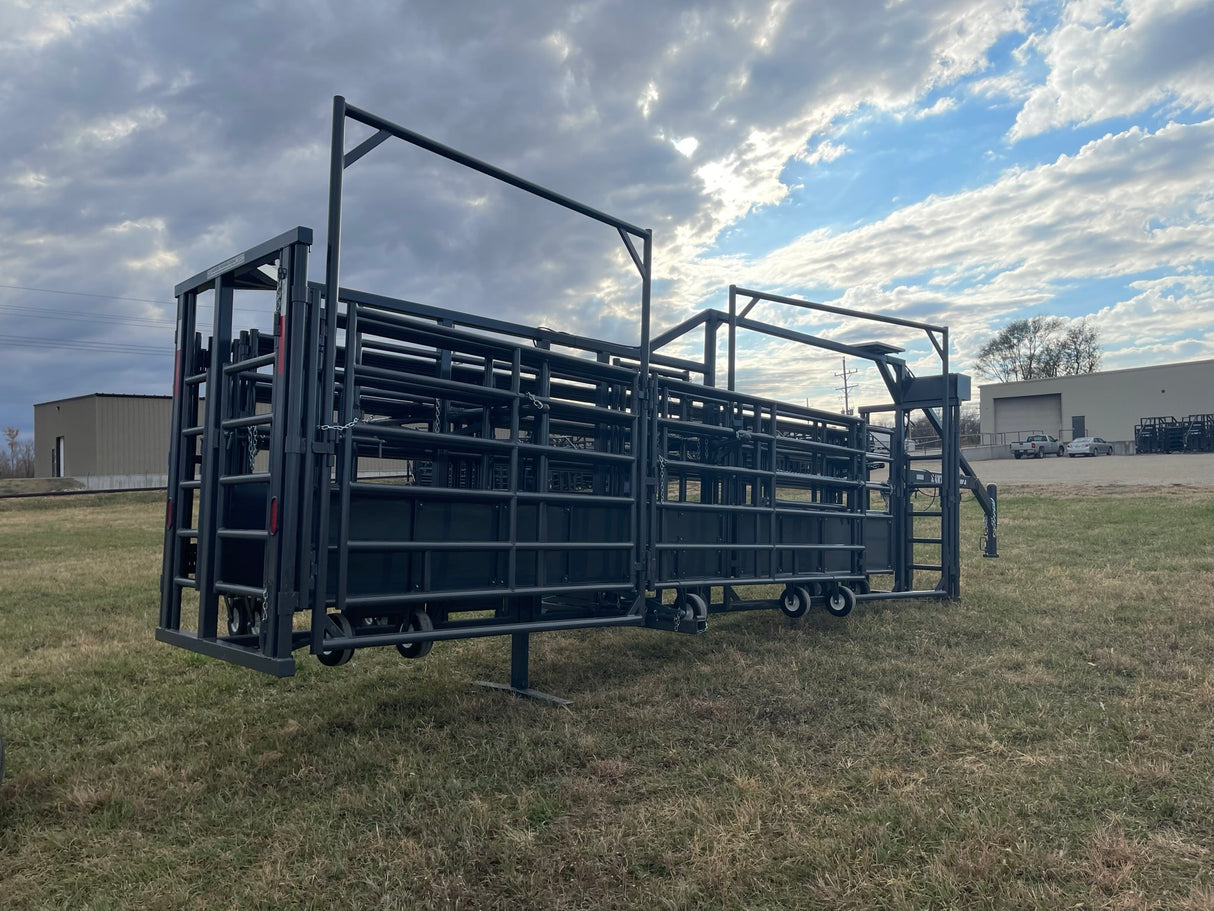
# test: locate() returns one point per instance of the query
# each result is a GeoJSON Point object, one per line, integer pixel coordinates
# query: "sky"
{"type": "Point", "coordinates": [958, 162]}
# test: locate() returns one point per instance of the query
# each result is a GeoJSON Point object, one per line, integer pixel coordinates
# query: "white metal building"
{"type": "Point", "coordinates": [1106, 404]}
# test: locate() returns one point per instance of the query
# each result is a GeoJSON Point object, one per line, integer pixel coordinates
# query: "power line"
{"type": "Point", "coordinates": [112, 297]}
{"type": "Point", "coordinates": [83, 345]}
{"type": "Point", "coordinates": [47, 313]}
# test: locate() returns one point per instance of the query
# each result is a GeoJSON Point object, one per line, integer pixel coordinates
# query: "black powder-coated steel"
{"type": "Point", "coordinates": [378, 471]}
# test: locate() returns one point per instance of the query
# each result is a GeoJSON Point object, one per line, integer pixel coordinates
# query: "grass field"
{"type": "Point", "coordinates": [26, 486]}
{"type": "Point", "coordinates": [1043, 743]}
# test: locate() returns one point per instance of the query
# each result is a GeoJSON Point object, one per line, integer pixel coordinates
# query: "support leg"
{"type": "Point", "coordinates": [520, 673]}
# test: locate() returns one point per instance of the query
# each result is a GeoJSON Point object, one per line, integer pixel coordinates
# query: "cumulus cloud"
{"type": "Point", "coordinates": [1110, 59]}
{"type": "Point", "coordinates": [153, 140]}
{"type": "Point", "coordinates": [1122, 205]}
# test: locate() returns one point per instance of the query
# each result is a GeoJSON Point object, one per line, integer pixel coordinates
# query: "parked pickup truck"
{"type": "Point", "coordinates": [1038, 445]}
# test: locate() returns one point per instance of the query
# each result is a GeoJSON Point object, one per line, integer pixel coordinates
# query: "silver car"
{"type": "Point", "coordinates": [1088, 446]}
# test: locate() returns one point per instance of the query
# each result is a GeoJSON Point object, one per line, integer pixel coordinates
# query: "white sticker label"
{"type": "Point", "coordinates": [226, 266]}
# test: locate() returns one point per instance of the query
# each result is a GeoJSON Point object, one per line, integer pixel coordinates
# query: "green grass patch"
{"type": "Point", "coordinates": [1042, 743]}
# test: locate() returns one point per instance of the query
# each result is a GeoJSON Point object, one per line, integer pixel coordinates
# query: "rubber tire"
{"type": "Point", "coordinates": [695, 608]}
{"type": "Point", "coordinates": [338, 658]}
{"type": "Point", "coordinates": [238, 615]}
{"type": "Point", "coordinates": [1061, 451]}
{"type": "Point", "coordinates": [419, 621]}
{"type": "Point", "coordinates": [1017, 455]}
{"type": "Point", "coordinates": [1038, 454]}
{"type": "Point", "coordinates": [795, 601]}
{"type": "Point", "coordinates": [840, 601]}
{"type": "Point", "coordinates": [254, 608]}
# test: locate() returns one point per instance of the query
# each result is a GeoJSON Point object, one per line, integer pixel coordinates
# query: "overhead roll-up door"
{"type": "Point", "coordinates": [1029, 414]}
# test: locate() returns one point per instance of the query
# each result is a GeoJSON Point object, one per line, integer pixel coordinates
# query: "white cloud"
{"type": "Point", "coordinates": [684, 118]}
{"type": "Point", "coordinates": [29, 24]}
{"type": "Point", "coordinates": [686, 146]}
{"type": "Point", "coordinates": [1121, 206]}
{"type": "Point", "coordinates": [1110, 59]}
{"type": "Point", "coordinates": [825, 151]}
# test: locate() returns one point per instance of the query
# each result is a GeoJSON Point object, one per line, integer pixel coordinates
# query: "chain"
{"type": "Point", "coordinates": [252, 448]}
{"type": "Point", "coordinates": [535, 402]}
{"type": "Point", "coordinates": [661, 478]}
{"type": "Point", "coordinates": [340, 428]}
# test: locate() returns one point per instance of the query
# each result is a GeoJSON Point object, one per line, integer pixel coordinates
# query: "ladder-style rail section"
{"type": "Point", "coordinates": [756, 492]}
{"type": "Point", "coordinates": [484, 424]}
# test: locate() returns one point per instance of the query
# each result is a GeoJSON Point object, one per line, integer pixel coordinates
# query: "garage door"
{"type": "Point", "coordinates": [1029, 414]}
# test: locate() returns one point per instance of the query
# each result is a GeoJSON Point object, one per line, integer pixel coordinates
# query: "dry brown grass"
{"type": "Point", "coordinates": [1043, 743]}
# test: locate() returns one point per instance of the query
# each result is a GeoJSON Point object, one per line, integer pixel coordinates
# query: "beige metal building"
{"type": "Point", "coordinates": [1106, 404]}
{"type": "Point", "coordinates": [104, 440]}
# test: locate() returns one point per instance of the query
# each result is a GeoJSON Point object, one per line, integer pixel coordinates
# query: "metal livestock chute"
{"type": "Point", "coordinates": [380, 472]}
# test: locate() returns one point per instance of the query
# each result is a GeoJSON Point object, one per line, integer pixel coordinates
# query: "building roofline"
{"type": "Point", "coordinates": [1076, 376]}
{"type": "Point", "coordinates": [102, 395]}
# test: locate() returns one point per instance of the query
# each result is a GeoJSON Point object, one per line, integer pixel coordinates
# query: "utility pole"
{"type": "Point", "coordinates": [846, 388]}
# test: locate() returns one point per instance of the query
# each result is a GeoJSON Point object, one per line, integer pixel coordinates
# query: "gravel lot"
{"type": "Point", "coordinates": [1113, 473]}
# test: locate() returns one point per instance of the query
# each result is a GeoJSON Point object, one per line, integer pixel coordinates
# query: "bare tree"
{"type": "Point", "coordinates": [1079, 350]}
{"type": "Point", "coordinates": [10, 435]}
{"type": "Point", "coordinates": [25, 460]}
{"type": "Point", "coordinates": [1037, 348]}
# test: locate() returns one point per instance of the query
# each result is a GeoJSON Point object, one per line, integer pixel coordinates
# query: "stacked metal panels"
{"type": "Point", "coordinates": [1194, 433]}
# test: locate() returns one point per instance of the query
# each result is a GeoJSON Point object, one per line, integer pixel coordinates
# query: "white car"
{"type": "Point", "coordinates": [1088, 446]}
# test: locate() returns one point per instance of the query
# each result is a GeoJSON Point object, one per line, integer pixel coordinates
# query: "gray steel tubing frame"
{"type": "Point", "coordinates": [201, 465]}
{"type": "Point", "coordinates": [301, 461]}
{"type": "Point", "coordinates": [339, 160]}
{"type": "Point", "coordinates": [956, 471]}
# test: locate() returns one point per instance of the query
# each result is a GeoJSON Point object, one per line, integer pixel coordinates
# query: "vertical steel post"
{"type": "Point", "coordinates": [178, 506]}
{"type": "Point", "coordinates": [210, 493]}
{"type": "Point", "coordinates": [520, 661]}
{"type": "Point", "coordinates": [731, 376]}
{"type": "Point", "coordinates": [332, 273]}
{"type": "Point", "coordinates": [646, 417]}
{"type": "Point", "coordinates": [992, 522]}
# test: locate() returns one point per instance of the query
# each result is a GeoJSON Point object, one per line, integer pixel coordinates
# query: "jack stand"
{"type": "Point", "coordinates": [520, 673]}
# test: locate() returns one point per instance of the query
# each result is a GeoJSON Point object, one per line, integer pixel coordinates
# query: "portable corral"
{"type": "Point", "coordinates": [380, 472]}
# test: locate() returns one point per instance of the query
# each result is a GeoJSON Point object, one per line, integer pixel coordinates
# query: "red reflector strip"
{"type": "Point", "coordinates": [274, 515]}
{"type": "Point", "coordinates": [168, 514]}
{"type": "Point", "coordinates": [177, 373]}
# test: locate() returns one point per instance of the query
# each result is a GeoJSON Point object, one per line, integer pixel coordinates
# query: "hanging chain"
{"type": "Point", "coordinates": [340, 428]}
{"type": "Point", "coordinates": [253, 448]}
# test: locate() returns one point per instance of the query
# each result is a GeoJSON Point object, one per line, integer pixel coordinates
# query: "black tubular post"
{"type": "Point", "coordinates": [992, 522]}
{"type": "Point", "coordinates": [178, 504]}
{"type": "Point", "coordinates": [645, 408]}
{"type": "Point", "coordinates": [330, 304]}
{"type": "Point", "coordinates": [731, 375]}
{"type": "Point", "coordinates": [520, 661]}
{"type": "Point", "coordinates": [209, 511]}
